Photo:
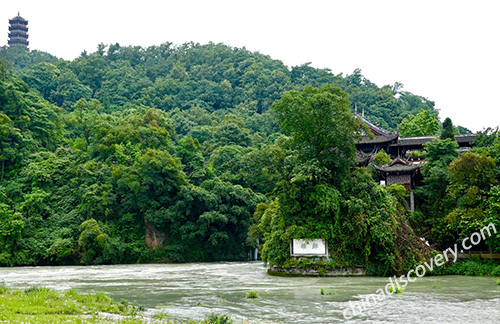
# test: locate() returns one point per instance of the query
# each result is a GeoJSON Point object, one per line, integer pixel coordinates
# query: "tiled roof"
{"type": "Point", "coordinates": [377, 131]}
{"type": "Point", "coordinates": [462, 140]}
{"type": "Point", "coordinates": [397, 165]}
{"type": "Point", "coordinates": [362, 157]}
{"type": "Point", "coordinates": [385, 136]}
{"type": "Point", "coordinates": [18, 17]}
{"type": "Point", "coordinates": [377, 139]}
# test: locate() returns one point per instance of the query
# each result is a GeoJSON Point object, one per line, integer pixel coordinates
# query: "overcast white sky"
{"type": "Point", "coordinates": [446, 51]}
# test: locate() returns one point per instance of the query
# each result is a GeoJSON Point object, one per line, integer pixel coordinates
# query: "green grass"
{"type": "Point", "coordinates": [215, 318]}
{"type": "Point", "coordinates": [163, 315]}
{"type": "Point", "coordinates": [252, 294]}
{"type": "Point", "coordinates": [42, 305]}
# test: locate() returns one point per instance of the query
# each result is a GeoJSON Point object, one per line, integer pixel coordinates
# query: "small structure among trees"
{"type": "Point", "coordinates": [400, 167]}
{"type": "Point", "coordinates": [18, 32]}
{"type": "Point", "coordinates": [398, 171]}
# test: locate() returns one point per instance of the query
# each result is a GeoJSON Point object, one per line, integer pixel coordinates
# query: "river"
{"type": "Point", "coordinates": [190, 291]}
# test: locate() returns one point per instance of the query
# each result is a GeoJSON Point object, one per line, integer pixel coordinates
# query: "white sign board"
{"type": "Point", "coordinates": [311, 247]}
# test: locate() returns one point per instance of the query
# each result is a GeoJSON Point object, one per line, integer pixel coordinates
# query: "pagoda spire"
{"type": "Point", "coordinates": [18, 31]}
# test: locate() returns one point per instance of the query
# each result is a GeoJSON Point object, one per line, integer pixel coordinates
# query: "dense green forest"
{"type": "Point", "coordinates": [193, 152]}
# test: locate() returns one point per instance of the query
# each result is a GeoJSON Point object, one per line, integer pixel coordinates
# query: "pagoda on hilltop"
{"type": "Point", "coordinates": [18, 32]}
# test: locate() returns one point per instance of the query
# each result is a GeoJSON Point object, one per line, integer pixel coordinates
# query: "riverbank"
{"type": "Point", "coordinates": [470, 267]}
{"type": "Point", "coordinates": [467, 267]}
{"type": "Point", "coordinates": [316, 272]}
{"type": "Point", "coordinates": [43, 305]}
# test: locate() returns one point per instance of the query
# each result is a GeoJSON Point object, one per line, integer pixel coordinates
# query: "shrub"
{"type": "Point", "coordinates": [396, 290]}
{"type": "Point", "coordinates": [214, 318]}
{"type": "Point", "coordinates": [329, 292]}
{"type": "Point", "coordinates": [496, 272]}
{"type": "Point", "coordinates": [475, 267]}
{"type": "Point", "coordinates": [161, 315]}
{"type": "Point", "coordinates": [381, 158]}
{"type": "Point", "coordinates": [252, 294]}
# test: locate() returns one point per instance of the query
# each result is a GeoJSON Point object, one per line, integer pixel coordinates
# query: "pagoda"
{"type": "Point", "coordinates": [18, 32]}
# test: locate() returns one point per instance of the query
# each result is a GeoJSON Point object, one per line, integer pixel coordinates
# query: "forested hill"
{"type": "Point", "coordinates": [214, 77]}
{"type": "Point", "coordinates": [159, 154]}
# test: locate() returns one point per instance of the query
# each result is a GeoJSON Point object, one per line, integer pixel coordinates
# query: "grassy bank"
{"type": "Point", "coordinates": [473, 267]}
{"type": "Point", "coordinates": [43, 305]}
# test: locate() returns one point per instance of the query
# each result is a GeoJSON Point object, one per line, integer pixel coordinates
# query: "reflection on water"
{"type": "Point", "coordinates": [187, 291]}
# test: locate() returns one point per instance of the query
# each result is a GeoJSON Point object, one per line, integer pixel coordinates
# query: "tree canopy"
{"type": "Point", "coordinates": [424, 123]}
{"type": "Point", "coordinates": [192, 152]}
{"type": "Point", "coordinates": [321, 127]}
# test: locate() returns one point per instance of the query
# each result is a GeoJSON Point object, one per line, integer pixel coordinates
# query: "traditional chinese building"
{"type": "Point", "coordinates": [405, 144]}
{"type": "Point", "coordinates": [381, 139]}
{"type": "Point", "coordinates": [398, 171]}
{"type": "Point", "coordinates": [401, 169]}
{"type": "Point", "coordinates": [403, 172]}
{"type": "Point", "coordinates": [397, 146]}
{"type": "Point", "coordinates": [18, 32]}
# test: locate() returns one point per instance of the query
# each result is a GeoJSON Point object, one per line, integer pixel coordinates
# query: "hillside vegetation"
{"type": "Point", "coordinates": [173, 153]}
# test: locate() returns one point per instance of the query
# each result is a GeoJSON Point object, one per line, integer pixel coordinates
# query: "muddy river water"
{"type": "Point", "coordinates": [190, 291]}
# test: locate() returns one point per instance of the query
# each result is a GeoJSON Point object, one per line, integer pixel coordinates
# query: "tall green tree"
{"type": "Point", "coordinates": [432, 198]}
{"type": "Point", "coordinates": [322, 129]}
{"type": "Point", "coordinates": [324, 199]}
{"type": "Point", "coordinates": [448, 129]}
{"type": "Point", "coordinates": [472, 176]}
{"type": "Point", "coordinates": [425, 123]}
